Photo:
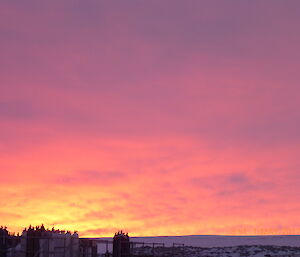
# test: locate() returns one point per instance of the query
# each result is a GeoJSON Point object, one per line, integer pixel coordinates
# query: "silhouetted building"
{"type": "Point", "coordinates": [121, 245]}
{"type": "Point", "coordinates": [32, 238]}
{"type": "Point", "coordinates": [41, 242]}
{"type": "Point", "coordinates": [88, 248]}
{"type": "Point", "coordinates": [3, 241]}
{"type": "Point", "coordinates": [7, 242]}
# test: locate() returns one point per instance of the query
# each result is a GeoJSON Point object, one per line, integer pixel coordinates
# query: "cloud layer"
{"type": "Point", "coordinates": [160, 118]}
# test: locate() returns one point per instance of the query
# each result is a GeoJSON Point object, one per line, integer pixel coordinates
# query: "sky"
{"type": "Point", "coordinates": [156, 117]}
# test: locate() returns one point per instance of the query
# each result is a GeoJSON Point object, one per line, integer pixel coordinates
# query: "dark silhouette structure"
{"type": "Point", "coordinates": [40, 242]}
{"type": "Point", "coordinates": [3, 241]}
{"type": "Point", "coordinates": [33, 236]}
{"type": "Point", "coordinates": [88, 248]}
{"type": "Point", "coordinates": [121, 245]}
{"type": "Point", "coordinates": [7, 241]}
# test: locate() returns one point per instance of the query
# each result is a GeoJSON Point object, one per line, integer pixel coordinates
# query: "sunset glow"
{"type": "Point", "coordinates": [155, 117]}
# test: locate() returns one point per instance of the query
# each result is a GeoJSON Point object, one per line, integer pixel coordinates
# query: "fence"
{"type": "Point", "coordinates": [141, 249]}
{"type": "Point", "coordinates": [68, 246]}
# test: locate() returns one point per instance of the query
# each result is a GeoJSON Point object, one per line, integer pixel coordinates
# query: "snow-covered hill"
{"type": "Point", "coordinates": [221, 241]}
{"type": "Point", "coordinates": [234, 251]}
{"type": "Point", "coordinates": [216, 246]}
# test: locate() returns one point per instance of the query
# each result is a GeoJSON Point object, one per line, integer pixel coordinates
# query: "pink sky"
{"type": "Point", "coordinates": [156, 117]}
